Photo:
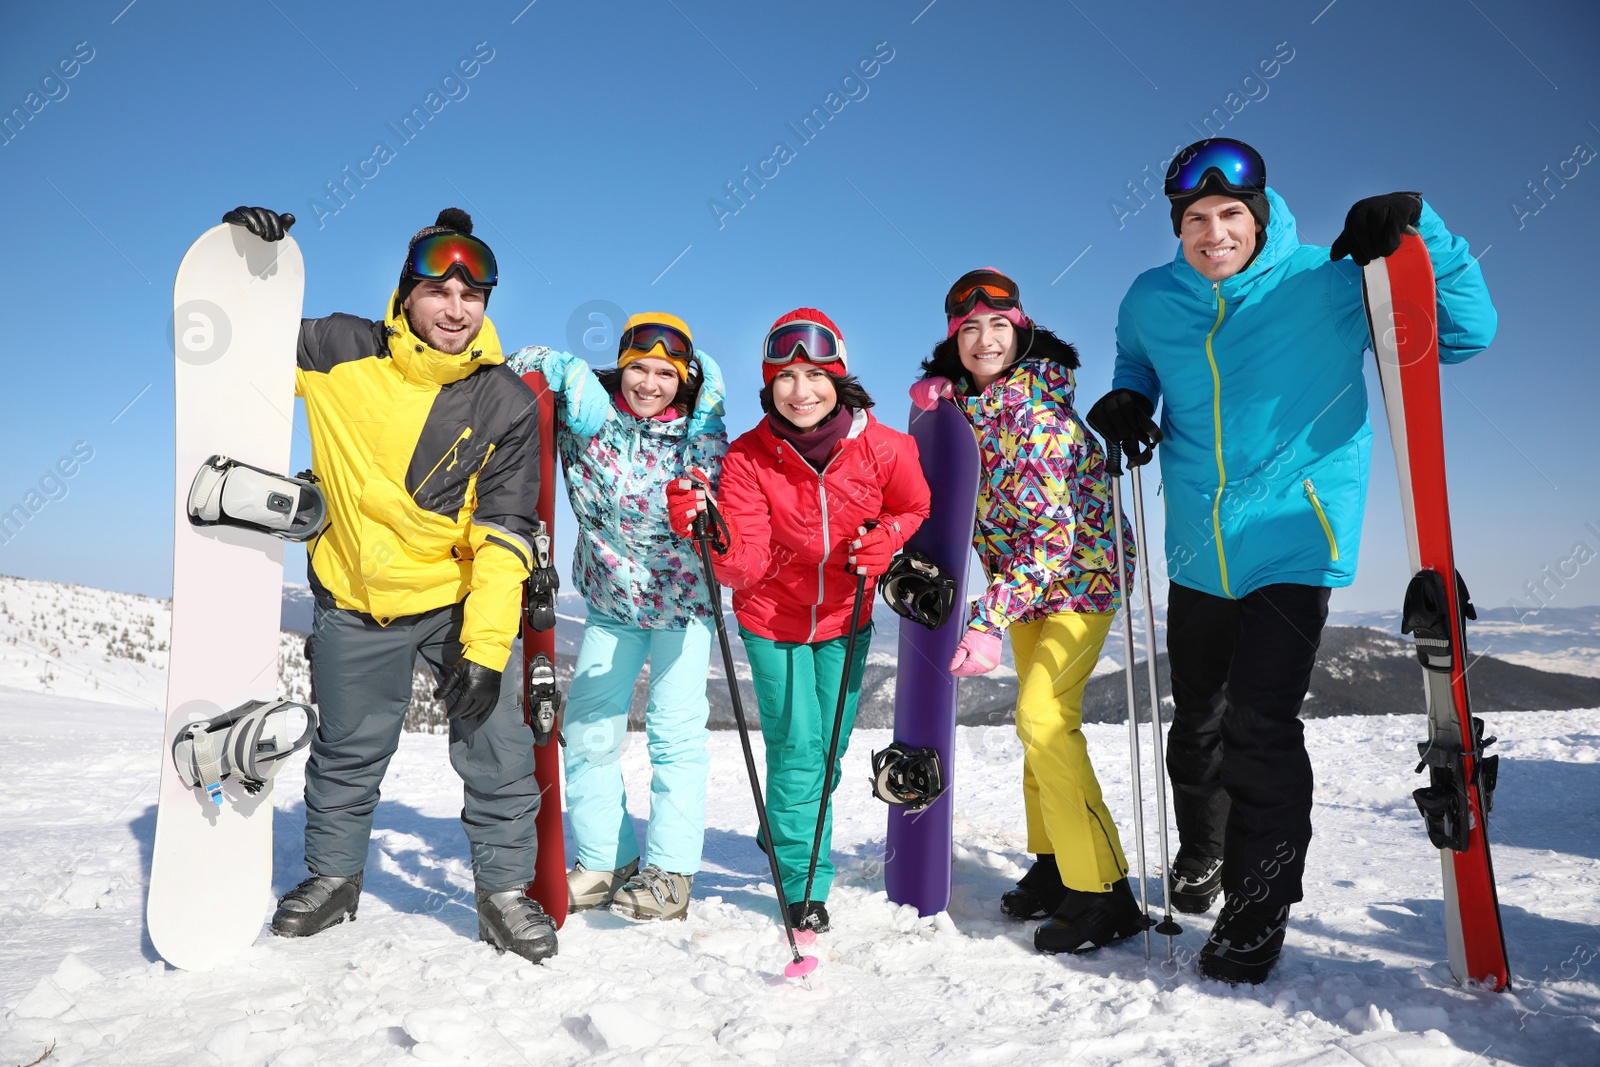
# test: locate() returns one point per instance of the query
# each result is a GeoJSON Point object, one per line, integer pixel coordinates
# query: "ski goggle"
{"type": "Point", "coordinates": [435, 257]}
{"type": "Point", "coordinates": [1240, 166]}
{"type": "Point", "coordinates": [645, 337]}
{"type": "Point", "coordinates": [990, 286]}
{"type": "Point", "coordinates": [809, 341]}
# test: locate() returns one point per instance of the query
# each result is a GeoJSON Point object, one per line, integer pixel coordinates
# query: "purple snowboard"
{"type": "Point", "coordinates": [916, 865]}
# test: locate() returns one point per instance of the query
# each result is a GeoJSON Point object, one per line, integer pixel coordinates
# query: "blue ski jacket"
{"type": "Point", "coordinates": [1264, 408]}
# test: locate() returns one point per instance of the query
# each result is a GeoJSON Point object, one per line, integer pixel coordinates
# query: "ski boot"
{"type": "Point", "coordinates": [1038, 893]}
{"type": "Point", "coordinates": [1088, 921]}
{"type": "Point", "coordinates": [813, 917]}
{"type": "Point", "coordinates": [1196, 882]}
{"type": "Point", "coordinates": [654, 894]}
{"type": "Point", "coordinates": [512, 921]}
{"type": "Point", "coordinates": [594, 889]}
{"type": "Point", "coordinates": [317, 903]}
{"type": "Point", "coordinates": [1245, 943]}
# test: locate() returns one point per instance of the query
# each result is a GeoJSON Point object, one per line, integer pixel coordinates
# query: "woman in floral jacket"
{"type": "Point", "coordinates": [1045, 535]}
{"type": "Point", "coordinates": [627, 432]}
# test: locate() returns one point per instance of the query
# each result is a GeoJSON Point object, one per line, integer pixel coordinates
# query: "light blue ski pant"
{"type": "Point", "coordinates": [361, 674]}
{"type": "Point", "coordinates": [596, 724]}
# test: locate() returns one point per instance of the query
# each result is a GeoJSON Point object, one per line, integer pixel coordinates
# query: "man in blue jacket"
{"type": "Point", "coordinates": [1253, 342]}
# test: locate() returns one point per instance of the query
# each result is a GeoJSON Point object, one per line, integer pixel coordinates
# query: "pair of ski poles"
{"type": "Point", "coordinates": [1114, 469]}
{"type": "Point", "coordinates": [800, 965]}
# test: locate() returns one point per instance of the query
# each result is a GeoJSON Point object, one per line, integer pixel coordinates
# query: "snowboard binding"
{"type": "Point", "coordinates": [247, 744]}
{"type": "Point", "coordinates": [544, 700]}
{"type": "Point", "coordinates": [905, 777]}
{"type": "Point", "coordinates": [226, 492]}
{"type": "Point", "coordinates": [917, 589]}
{"type": "Point", "coordinates": [543, 583]}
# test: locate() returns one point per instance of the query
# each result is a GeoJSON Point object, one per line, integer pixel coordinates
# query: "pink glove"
{"type": "Point", "coordinates": [926, 393]}
{"type": "Point", "coordinates": [978, 653]}
{"type": "Point", "coordinates": [686, 498]}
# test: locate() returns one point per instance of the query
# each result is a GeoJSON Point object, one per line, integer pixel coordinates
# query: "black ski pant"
{"type": "Point", "coordinates": [362, 675]}
{"type": "Point", "coordinates": [1236, 753]}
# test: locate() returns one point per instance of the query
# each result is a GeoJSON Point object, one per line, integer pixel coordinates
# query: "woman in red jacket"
{"type": "Point", "coordinates": [798, 493]}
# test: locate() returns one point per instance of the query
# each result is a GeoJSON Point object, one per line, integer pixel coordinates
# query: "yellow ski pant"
{"type": "Point", "coordinates": [1066, 815]}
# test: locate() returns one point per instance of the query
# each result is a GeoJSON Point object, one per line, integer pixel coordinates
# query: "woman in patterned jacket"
{"type": "Point", "coordinates": [662, 417]}
{"type": "Point", "coordinates": [1044, 533]}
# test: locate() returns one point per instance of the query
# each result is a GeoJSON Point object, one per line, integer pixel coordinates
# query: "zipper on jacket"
{"type": "Point", "coordinates": [449, 454]}
{"type": "Point", "coordinates": [1322, 517]}
{"type": "Point", "coordinates": [1216, 417]}
{"type": "Point", "coordinates": [822, 497]}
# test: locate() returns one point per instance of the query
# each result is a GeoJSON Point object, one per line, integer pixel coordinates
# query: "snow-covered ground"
{"type": "Point", "coordinates": [1362, 980]}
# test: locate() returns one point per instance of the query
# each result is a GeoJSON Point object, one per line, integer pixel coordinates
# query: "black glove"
{"type": "Point", "coordinates": [470, 692]}
{"type": "Point", "coordinates": [1123, 418]}
{"type": "Point", "coordinates": [261, 221]}
{"type": "Point", "coordinates": [1373, 226]}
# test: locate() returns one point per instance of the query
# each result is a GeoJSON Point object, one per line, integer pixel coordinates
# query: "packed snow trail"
{"type": "Point", "coordinates": [1362, 979]}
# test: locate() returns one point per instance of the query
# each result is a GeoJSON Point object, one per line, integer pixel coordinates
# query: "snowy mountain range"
{"type": "Point", "coordinates": [93, 644]}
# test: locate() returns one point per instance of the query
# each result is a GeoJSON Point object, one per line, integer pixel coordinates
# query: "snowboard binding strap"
{"type": "Point", "coordinates": [544, 582]}
{"type": "Point", "coordinates": [226, 492]}
{"type": "Point", "coordinates": [905, 777]}
{"type": "Point", "coordinates": [247, 744]}
{"type": "Point", "coordinates": [917, 589]}
{"type": "Point", "coordinates": [544, 700]}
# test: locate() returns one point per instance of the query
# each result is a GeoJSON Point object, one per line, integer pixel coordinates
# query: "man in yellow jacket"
{"type": "Point", "coordinates": [426, 447]}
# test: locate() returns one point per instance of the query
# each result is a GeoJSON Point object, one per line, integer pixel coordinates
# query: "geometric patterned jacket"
{"type": "Point", "coordinates": [1044, 502]}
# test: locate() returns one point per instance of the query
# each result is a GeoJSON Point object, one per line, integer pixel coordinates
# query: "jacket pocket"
{"type": "Point", "coordinates": [1322, 517]}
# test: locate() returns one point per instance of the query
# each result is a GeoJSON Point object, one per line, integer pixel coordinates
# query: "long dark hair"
{"type": "Point", "coordinates": [683, 401]}
{"type": "Point", "coordinates": [1033, 343]}
{"type": "Point", "coordinates": [849, 390]}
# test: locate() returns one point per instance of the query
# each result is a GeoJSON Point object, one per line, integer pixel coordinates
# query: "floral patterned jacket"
{"type": "Point", "coordinates": [1044, 501]}
{"type": "Point", "coordinates": [626, 561]}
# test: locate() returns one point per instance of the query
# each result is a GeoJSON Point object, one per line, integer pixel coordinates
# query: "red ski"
{"type": "Point", "coordinates": [1403, 317]}
{"type": "Point", "coordinates": [542, 698]}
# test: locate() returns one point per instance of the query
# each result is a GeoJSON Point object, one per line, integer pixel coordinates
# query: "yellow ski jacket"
{"type": "Point", "coordinates": [430, 466]}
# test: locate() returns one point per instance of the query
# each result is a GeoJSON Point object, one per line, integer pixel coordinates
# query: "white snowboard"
{"type": "Point", "coordinates": [236, 320]}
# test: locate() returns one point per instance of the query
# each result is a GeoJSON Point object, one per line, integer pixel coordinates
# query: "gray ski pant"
{"type": "Point", "coordinates": [361, 673]}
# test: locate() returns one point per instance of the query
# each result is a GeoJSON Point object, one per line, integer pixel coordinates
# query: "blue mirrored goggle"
{"type": "Point", "coordinates": [1239, 165]}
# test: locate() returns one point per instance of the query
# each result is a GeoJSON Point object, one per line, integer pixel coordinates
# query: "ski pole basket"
{"type": "Point", "coordinates": [226, 492]}
{"type": "Point", "coordinates": [544, 700]}
{"type": "Point", "coordinates": [543, 583]}
{"type": "Point", "coordinates": [247, 744]}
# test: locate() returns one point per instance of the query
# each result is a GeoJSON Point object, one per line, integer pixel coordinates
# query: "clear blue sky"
{"type": "Point", "coordinates": [591, 145]}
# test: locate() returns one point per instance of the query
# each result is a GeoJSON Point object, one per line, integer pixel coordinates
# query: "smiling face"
{"type": "Point", "coordinates": [804, 394]}
{"type": "Point", "coordinates": [1219, 236]}
{"type": "Point", "coordinates": [649, 385]}
{"type": "Point", "coordinates": [446, 314]}
{"type": "Point", "coordinates": [987, 345]}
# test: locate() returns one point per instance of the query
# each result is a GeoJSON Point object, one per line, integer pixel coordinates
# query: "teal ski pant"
{"type": "Point", "coordinates": [797, 690]}
{"type": "Point", "coordinates": [596, 724]}
{"type": "Point", "coordinates": [361, 675]}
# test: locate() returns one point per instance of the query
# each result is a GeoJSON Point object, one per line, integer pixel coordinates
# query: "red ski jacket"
{"type": "Point", "coordinates": [793, 526]}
